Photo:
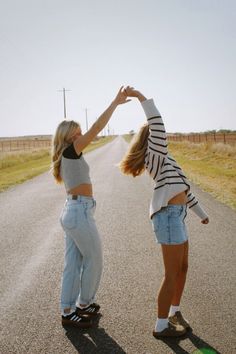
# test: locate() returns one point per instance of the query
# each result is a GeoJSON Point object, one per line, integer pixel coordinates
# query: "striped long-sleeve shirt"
{"type": "Point", "coordinates": [168, 176]}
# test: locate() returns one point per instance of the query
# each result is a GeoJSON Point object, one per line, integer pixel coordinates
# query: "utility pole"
{"type": "Point", "coordinates": [64, 99]}
{"type": "Point", "coordinates": [86, 117]}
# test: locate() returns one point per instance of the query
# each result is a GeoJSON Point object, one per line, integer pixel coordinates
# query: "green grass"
{"type": "Point", "coordinates": [19, 167]}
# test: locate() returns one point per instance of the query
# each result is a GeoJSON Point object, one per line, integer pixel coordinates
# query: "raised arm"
{"type": "Point", "coordinates": [157, 141]}
{"type": "Point", "coordinates": [82, 141]}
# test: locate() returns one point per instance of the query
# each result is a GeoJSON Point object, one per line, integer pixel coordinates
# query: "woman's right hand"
{"type": "Point", "coordinates": [131, 92]}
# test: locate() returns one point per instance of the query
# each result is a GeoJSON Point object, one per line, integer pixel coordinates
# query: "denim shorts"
{"type": "Point", "coordinates": [169, 226]}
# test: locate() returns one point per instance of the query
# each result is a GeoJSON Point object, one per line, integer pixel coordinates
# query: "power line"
{"type": "Point", "coordinates": [86, 117]}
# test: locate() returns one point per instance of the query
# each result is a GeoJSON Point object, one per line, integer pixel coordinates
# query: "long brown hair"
{"type": "Point", "coordinates": [133, 161]}
{"type": "Point", "coordinates": [61, 140]}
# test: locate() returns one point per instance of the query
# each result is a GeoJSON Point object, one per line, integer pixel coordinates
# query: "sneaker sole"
{"type": "Point", "coordinates": [77, 324]}
{"type": "Point", "coordinates": [174, 334]}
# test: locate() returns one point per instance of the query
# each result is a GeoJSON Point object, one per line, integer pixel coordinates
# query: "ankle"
{"type": "Point", "coordinates": [161, 324]}
{"type": "Point", "coordinates": [83, 306]}
{"type": "Point", "coordinates": [67, 312]}
{"type": "Point", "coordinates": [173, 310]}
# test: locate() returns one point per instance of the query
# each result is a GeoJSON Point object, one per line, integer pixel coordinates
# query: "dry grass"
{"type": "Point", "coordinates": [211, 166]}
{"type": "Point", "coordinates": [15, 168]}
{"type": "Point", "coordinates": [128, 137]}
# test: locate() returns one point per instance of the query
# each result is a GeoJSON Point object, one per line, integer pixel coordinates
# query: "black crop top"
{"type": "Point", "coordinates": [70, 153]}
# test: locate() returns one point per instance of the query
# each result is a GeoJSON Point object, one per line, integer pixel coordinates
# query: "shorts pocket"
{"type": "Point", "coordinates": [160, 227]}
{"type": "Point", "coordinates": [68, 218]}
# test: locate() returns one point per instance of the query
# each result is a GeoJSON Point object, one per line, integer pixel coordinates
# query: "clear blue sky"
{"type": "Point", "coordinates": [180, 52]}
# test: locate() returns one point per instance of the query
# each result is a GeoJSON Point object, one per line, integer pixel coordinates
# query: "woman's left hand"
{"type": "Point", "coordinates": [121, 97]}
{"type": "Point", "coordinates": [205, 221]}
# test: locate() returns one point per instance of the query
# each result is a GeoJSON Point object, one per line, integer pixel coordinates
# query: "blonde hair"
{"type": "Point", "coordinates": [61, 140]}
{"type": "Point", "coordinates": [133, 161]}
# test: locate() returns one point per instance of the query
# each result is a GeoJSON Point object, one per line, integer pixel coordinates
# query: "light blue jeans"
{"type": "Point", "coordinates": [83, 253]}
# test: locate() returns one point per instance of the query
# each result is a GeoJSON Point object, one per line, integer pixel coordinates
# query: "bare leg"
{"type": "Point", "coordinates": [181, 279]}
{"type": "Point", "coordinates": [173, 260]}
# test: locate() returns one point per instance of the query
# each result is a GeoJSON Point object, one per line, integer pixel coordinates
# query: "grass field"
{"type": "Point", "coordinates": [16, 168]}
{"type": "Point", "coordinates": [211, 166]}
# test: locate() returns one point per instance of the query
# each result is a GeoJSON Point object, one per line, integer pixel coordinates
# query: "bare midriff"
{"type": "Point", "coordinates": [180, 198]}
{"type": "Point", "coordinates": [83, 189]}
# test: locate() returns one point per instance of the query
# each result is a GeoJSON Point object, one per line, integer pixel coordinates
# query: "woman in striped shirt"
{"type": "Point", "coordinates": [168, 209]}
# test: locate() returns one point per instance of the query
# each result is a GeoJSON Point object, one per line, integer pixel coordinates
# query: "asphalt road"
{"type": "Point", "coordinates": [31, 262]}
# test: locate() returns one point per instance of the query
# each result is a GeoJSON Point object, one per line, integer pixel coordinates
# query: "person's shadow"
{"type": "Point", "coordinates": [94, 340]}
{"type": "Point", "coordinates": [202, 347]}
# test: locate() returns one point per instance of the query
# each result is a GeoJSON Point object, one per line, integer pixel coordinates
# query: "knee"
{"type": "Point", "coordinates": [93, 263]}
{"type": "Point", "coordinates": [170, 278]}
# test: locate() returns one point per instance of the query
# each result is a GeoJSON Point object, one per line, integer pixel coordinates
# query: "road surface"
{"type": "Point", "coordinates": [31, 262]}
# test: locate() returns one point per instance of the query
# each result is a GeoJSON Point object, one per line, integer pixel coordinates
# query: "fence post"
{"type": "Point", "coordinates": [224, 139]}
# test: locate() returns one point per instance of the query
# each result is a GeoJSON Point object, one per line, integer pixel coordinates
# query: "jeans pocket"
{"type": "Point", "coordinates": [68, 218]}
{"type": "Point", "coordinates": [176, 212]}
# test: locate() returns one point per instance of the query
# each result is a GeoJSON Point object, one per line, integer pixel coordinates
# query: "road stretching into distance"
{"type": "Point", "coordinates": [31, 263]}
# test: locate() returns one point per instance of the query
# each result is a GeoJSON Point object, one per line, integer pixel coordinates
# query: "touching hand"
{"type": "Point", "coordinates": [205, 221]}
{"type": "Point", "coordinates": [131, 92]}
{"type": "Point", "coordinates": [121, 97]}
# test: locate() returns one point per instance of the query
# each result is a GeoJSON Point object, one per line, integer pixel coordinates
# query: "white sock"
{"type": "Point", "coordinates": [161, 324]}
{"type": "Point", "coordinates": [173, 310]}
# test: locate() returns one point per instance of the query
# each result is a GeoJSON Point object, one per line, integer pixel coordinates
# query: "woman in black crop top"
{"type": "Point", "coordinates": [83, 248]}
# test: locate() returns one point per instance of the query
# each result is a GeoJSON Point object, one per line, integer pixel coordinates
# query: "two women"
{"type": "Point", "coordinates": [83, 248]}
{"type": "Point", "coordinates": [168, 209]}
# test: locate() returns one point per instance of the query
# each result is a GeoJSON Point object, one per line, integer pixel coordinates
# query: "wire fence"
{"type": "Point", "coordinates": [11, 145]}
{"type": "Point", "coordinates": [204, 138]}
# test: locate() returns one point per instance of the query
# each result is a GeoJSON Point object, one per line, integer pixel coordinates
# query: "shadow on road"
{"type": "Point", "coordinates": [202, 347]}
{"type": "Point", "coordinates": [92, 341]}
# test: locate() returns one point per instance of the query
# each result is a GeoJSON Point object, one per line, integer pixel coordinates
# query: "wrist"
{"type": "Point", "coordinates": [114, 103]}
{"type": "Point", "coordinates": [140, 97]}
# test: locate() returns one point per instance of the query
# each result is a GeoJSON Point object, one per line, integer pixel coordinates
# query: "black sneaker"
{"type": "Point", "coordinates": [170, 331]}
{"type": "Point", "coordinates": [76, 320]}
{"type": "Point", "coordinates": [91, 310]}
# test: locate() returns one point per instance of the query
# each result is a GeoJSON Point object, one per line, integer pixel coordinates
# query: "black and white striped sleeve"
{"type": "Point", "coordinates": [157, 142]}
{"type": "Point", "coordinates": [153, 164]}
{"type": "Point", "coordinates": [194, 205]}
